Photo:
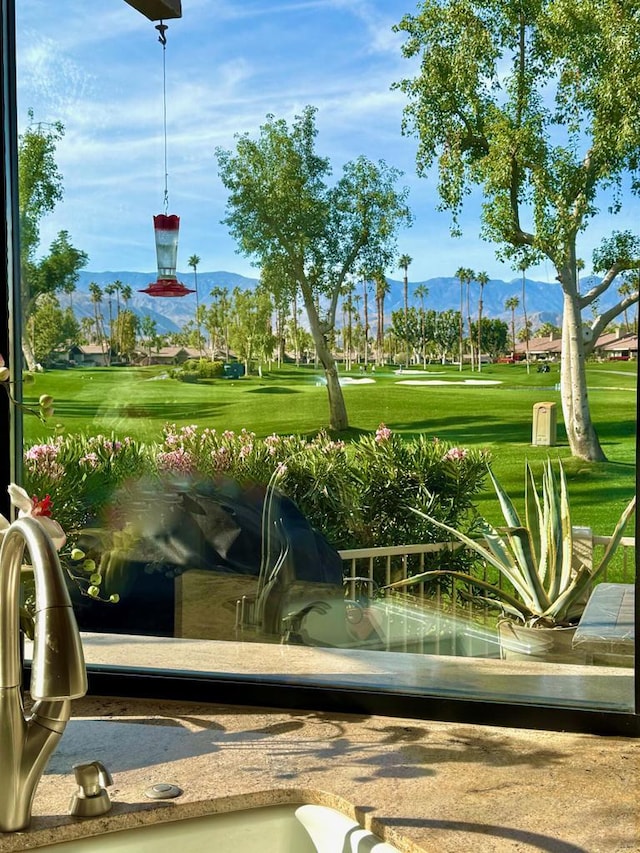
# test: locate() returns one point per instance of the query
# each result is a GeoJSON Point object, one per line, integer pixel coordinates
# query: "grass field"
{"type": "Point", "coordinates": [138, 401]}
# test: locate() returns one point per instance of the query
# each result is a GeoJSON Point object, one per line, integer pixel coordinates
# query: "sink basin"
{"type": "Point", "coordinates": [267, 829]}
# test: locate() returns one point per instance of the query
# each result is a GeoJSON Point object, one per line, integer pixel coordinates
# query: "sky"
{"type": "Point", "coordinates": [98, 68]}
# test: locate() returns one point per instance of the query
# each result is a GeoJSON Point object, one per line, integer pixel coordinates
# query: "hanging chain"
{"type": "Point", "coordinates": [162, 38]}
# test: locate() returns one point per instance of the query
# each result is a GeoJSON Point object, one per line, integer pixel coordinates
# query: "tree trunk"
{"type": "Point", "coordinates": [27, 352]}
{"type": "Point", "coordinates": [406, 317]}
{"type": "Point", "coordinates": [338, 419]}
{"type": "Point", "coordinates": [581, 433]}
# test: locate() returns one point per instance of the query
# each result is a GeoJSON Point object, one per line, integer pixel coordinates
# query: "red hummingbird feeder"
{"type": "Point", "coordinates": [167, 229]}
{"type": "Point", "coordinates": [166, 226]}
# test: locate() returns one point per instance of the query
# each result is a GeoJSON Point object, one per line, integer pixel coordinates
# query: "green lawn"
{"type": "Point", "coordinates": [138, 401]}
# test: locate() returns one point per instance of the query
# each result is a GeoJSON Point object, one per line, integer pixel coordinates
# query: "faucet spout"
{"type": "Point", "coordinates": [58, 669]}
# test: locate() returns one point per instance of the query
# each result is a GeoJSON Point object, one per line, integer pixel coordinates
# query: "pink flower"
{"type": "Point", "coordinates": [245, 451]}
{"type": "Point", "coordinates": [42, 459]}
{"type": "Point", "coordinates": [455, 454]}
{"type": "Point", "coordinates": [383, 433]}
{"type": "Point", "coordinates": [176, 461]}
{"type": "Point", "coordinates": [90, 460]}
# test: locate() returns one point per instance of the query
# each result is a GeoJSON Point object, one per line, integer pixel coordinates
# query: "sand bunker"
{"type": "Point", "coordinates": [413, 372]}
{"type": "Point", "coordinates": [349, 380]}
{"type": "Point", "coordinates": [449, 382]}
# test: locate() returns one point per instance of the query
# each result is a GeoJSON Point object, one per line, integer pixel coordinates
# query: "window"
{"type": "Point", "coordinates": [222, 540]}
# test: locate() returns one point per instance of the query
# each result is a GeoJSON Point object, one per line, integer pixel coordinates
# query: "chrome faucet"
{"type": "Point", "coordinates": [58, 672]}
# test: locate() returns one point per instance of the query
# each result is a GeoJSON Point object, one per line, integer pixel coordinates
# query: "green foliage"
{"type": "Point", "coordinates": [515, 99]}
{"type": "Point", "coordinates": [201, 368]}
{"type": "Point", "coordinates": [306, 235]}
{"type": "Point", "coordinates": [357, 495]}
{"type": "Point", "coordinates": [548, 584]}
{"type": "Point", "coordinates": [52, 328]}
{"type": "Point", "coordinates": [39, 190]}
{"type": "Point", "coordinates": [81, 473]}
{"type": "Point", "coordinates": [495, 334]}
{"type": "Point", "coordinates": [136, 401]}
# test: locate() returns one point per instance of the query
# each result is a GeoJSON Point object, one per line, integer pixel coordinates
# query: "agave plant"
{"type": "Point", "coordinates": [548, 583]}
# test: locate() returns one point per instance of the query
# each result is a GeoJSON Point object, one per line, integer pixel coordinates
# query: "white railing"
{"type": "Point", "coordinates": [381, 566]}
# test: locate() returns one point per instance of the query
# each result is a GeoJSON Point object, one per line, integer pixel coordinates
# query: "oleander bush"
{"type": "Point", "coordinates": [357, 494]}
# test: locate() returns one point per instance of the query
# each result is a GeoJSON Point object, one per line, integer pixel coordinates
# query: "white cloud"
{"type": "Point", "coordinates": [97, 67]}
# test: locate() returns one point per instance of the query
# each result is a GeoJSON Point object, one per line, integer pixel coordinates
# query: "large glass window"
{"type": "Point", "coordinates": [277, 424]}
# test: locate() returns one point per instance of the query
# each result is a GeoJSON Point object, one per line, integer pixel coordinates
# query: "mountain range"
{"type": "Point", "coordinates": [543, 299]}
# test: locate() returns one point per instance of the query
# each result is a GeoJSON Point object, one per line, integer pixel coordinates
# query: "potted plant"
{"type": "Point", "coordinates": [548, 582]}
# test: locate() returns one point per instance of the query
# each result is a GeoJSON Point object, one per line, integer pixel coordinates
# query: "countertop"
{"type": "Point", "coordinates": [421, 785]}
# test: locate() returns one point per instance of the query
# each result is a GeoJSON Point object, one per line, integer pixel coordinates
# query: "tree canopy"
{"type": "Point", "coordinates": [306, 234]}
{"type": "Point", "coordinates": [39, 190]}
{"type": "Point", "coordinates": [538, 104]}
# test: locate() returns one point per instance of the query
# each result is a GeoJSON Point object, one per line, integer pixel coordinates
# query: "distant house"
{"type": "Point", "coordinates": [624, 348]}
{"type": "Point", "coordinates": [616, 345]}
{"type": "Point", "coordinates": [545, 348]}
{"type": "Point", "coordinates": [168, 355]}
{"type": "Point", "coordinates": [88, 355]}
{"type": "Point", "coordinates": [613, 345]}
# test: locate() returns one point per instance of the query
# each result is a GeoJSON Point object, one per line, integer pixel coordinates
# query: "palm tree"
{"type": "Point", "coordinates": [422, 291]}
{"type": "Point", "coordinates": [482, 278]}
{"type": "Point", "coordinates": [95, 292]}
{"type": "Point", "coordinates": [193, 262]}
{"type": "Point", "coordinates": [110, 289]}
{"type": "Point", "coordinates": [511, 304]}
{"type": "Point", "coordinates": [464, 275]}
{"type": "Point", "coordinates": [403, 263]}
{"type": "Point", "coordinates": [523, 267]}
{"type": "Point", "coordinates": [127, 293]}
{"type": "Point", "coordinates": [382, 289]}
{"type": "Point", "coordinates": [365, 291]}
{"type": "Point", "coordinates": [69, 288]}
{"type": "Point", "coordinates": [626, 289]}
{"type": "Point", "coordinates": [347, 310]}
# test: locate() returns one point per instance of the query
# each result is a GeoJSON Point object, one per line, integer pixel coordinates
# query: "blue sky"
{"type": "Point", "coordinates": [97, 67]}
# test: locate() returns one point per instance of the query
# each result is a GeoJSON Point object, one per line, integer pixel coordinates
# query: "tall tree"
{"type": "Point", "coordinates": [483, 279]}
{"type": "Point", "coordinates": [126, 330]}
{"type": "Point", "coordinates": [422, 291]}
{"type": "Point", "coordinates": [365, 307]}
{"type": "Point", "coordinates": [538, 104]}
{"type": "Point", "coordinates": [52, 327]}
{"type": "Point", "coordinates": [527, 326]}
{"type": "Point", "coordinates": [39, 190]}
{"type": "Point", "coordinates": [495, 334]}
{"type": "Point", "coordinates": [464, 276]}
{"type": "Point", "coordinates": [282, 212]}
{"type": "Point", "coordinates": [194, 262]}
{"type": "Point", "coordinates": [403, 263]}
{"type": "Point", "coordinates": [250, 328]}
{"type": "Point", "coordinates": [447, 328]}
{"type": "Point", "coordinates": [110, 289]}
{"type": "Point", "coordinates": [95, 293]}
{"type": "Point", "coordinates": [382, 289]}
{"type": "Point", "coordinates": [511, 303]}
{"type": "Point", "coordinates": [217, 319]}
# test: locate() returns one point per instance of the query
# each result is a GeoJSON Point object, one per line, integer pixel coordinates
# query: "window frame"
{"type": "Point", "coordinates": [245, 690]}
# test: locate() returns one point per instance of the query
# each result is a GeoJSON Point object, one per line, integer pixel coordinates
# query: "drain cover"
{"type": "Point", "coordinates": [163, 791]}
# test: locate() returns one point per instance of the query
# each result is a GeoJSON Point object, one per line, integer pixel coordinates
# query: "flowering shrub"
{"type": "Point", "coordinates": [81, 473]}
{"type": "Point", "coordinates": [395, 476]}
{"type": "Point", "coordinates": [359, 494]}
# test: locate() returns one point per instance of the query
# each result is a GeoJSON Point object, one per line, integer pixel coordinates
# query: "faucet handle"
{"type": "Point", "coordinates": [91, 798]}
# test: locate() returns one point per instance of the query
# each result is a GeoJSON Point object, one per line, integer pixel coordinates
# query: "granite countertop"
{"type": "Point", "coordinates": [421, 785]}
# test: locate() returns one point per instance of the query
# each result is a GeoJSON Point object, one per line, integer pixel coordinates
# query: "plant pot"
{"type": "Point", "coordinates": [549, 645]}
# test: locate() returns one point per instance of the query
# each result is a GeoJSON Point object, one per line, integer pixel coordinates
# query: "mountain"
{"type": "Point", "coordinates": [543, 299]}
{"type": "Point", "coordinates": [169, 314]}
